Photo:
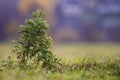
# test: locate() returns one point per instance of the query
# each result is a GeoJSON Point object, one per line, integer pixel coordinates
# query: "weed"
{"type": "Point", "coordinates": [34, 45]}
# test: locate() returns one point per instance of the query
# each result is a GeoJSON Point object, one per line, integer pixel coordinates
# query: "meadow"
{"type": "Point", "coordinates": [82, 61]}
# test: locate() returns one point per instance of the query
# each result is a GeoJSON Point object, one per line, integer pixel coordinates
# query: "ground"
{"type": "Point", "coordinates": [71, 53]}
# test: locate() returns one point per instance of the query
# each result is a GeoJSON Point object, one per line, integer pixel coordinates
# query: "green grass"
{"type": "Point", "coordinates": [82, 62]}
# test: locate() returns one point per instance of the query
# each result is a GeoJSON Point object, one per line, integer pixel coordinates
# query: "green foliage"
{"type": "Point", "coordinates": [34, 45]}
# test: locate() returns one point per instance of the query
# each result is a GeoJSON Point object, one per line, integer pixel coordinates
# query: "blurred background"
{"type": "Point", "coordinates": [69, 20]}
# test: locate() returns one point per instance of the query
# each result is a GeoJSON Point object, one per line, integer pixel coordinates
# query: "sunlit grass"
{"type": "Point", "coordinates": [82, 62]}
{"type": "Point", "coordinates": [79, 50]}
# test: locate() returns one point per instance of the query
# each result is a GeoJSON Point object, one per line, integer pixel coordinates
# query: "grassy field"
{"type": "Point", "coordinates": [82, 62]}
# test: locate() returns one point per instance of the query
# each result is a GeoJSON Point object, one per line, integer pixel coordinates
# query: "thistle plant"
{"type": "Point", "coordinates": [34, 44]}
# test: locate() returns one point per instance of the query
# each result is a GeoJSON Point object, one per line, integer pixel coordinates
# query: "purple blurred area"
{"type": "Point", "coordinates": [70, 20]}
